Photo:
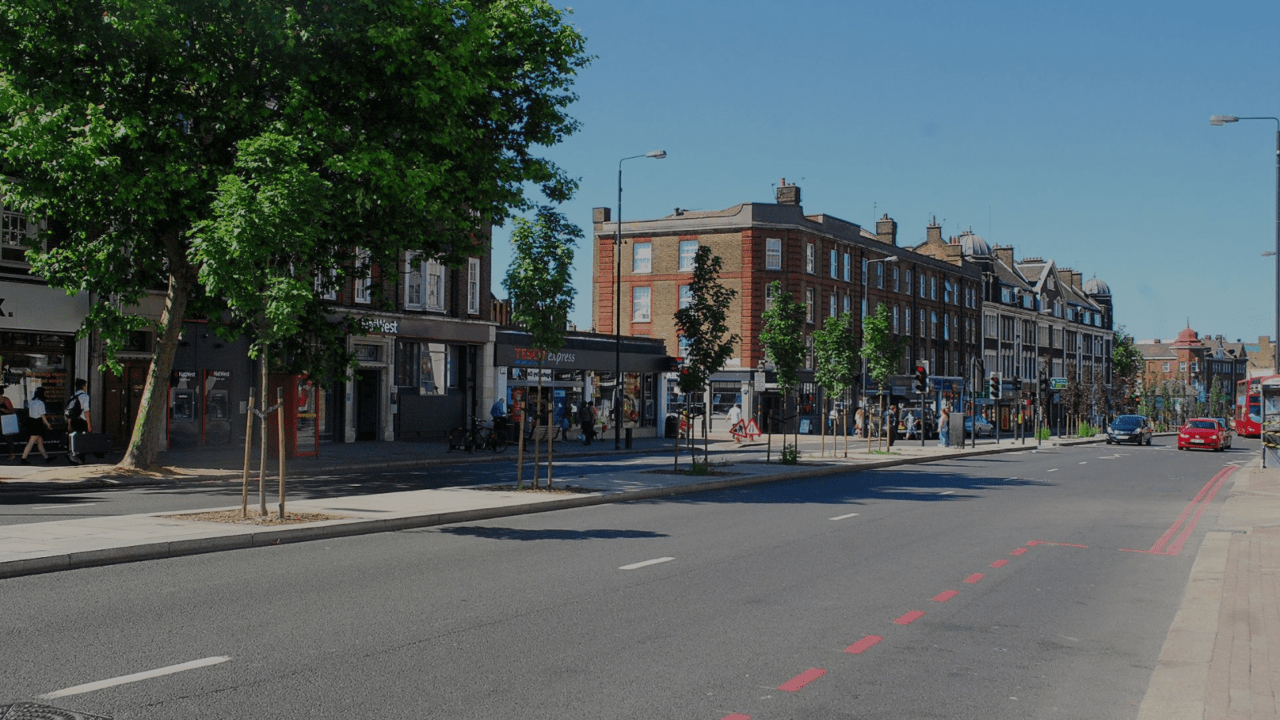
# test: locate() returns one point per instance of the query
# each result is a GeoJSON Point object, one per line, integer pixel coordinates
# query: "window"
{"type": "Point", "coordinates": [809, 258]}
{"type": "Point", "coordinates": [906, 325]}
{"type": "Point", "coordinates": [895, 319]}
{"type": "Point", "coordinates": [906, 281]}
{"type": "Point", "coordinates": [831, 305]}
{"type": "Point", "coordinates": [946, 326]}
{"type": "Point", "coordinates": [1182, 368]}
{"type": "Point", "coordinates": [773, 254]}
{"type": "Point", "coordinates": [435, 285]}
{"type": "Point", "coordinates": [808, 304]}
{"type": "Point", "coordinates": [642, 258]}
{"type": "Point", "coordinates": [640, 304]}
{"type": "Point", "coordinates": [848, 268]}
{"type": "Point", "coordinates": [835, 269]}
{"type": "Point", "coordinates": [1006, 295]}
{"type": "Point", "coordinates": [897, 286]}
{"type": "Point", "coordinates": [946, 292]}
{"type": "Point", "coordinates": [688, 251]}
{"type": "Point", "coordinates": [363, 289]}
{"type": "Point", "coordinates": [415, 282]}
{"type": "Point", "coordinates": [933, 288]}
{"type": "Point", "coordinates": [847, 301]}
{"type": "Point", "coordinates": [686, 296]}
{"type": "Point", "coordinates": [768, 296]}
{"type": "Point", "coordinates": [920, 327]}
{"type": "Point", "coordinates": [1164, 367]}
{"type": "Point", "coordinates": [473, 286]}
{"type": "Point", "coordinates": [684, 344]}
{"type": "Point", "coordinates": [933, 324]}
{"type": "Point", "coordinates": [14, 233]}
{"type": "Point", "coordinates": [923, 285]}
{"type": "Point", "coordinates": [327, 284]}
{"type": "Point", "coordinates": [879, 276]}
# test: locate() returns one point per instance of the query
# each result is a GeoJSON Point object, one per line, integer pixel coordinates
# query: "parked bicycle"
{"type": "Point", "coordinates": [481, 436]}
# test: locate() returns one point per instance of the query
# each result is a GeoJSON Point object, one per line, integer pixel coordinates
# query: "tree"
{"type": "Point", "coordinates": [704, 325]}
{"type": "Point", "coordinates": [836, 358]}
{"type": "Point", "coordinates": [1127, 365]}
{"type": "Point", "coordinates": [783, 339]}
{"type": "Point", "coordinates": [882, 351]}
{"type": "Point", "coordinates": [539, 283]}
{"type": "Point", "coordinates": [121, 120]}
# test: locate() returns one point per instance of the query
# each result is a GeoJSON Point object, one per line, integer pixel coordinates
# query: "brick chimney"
{"type": "Point", "coordinates": [887, 230]}
{"type": "Point", "coordinates": [1004, 253]}
{"type": "Point", "coordinates": [934, 231]}
{"type": "Point", "coordinates": [600, 215]}
{"type": "Point", "coordinates": [788, 194]}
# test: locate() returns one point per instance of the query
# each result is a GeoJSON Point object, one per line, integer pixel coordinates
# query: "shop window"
{"type": "Point", "coordinates": [427, 366]}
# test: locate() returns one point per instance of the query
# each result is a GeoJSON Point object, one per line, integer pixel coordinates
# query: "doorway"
{"type": "Point", "coordinates": [367, 396]}
{"type": "Point", "coordinates": [121, 397]}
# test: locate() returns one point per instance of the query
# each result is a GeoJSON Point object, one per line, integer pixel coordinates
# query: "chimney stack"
{"type": "Point", "coordinates": [788, 194]}
{"type": "Point", "coordinates": [934, 231]}
{"type": "Point", "coordinates": [887, 230]}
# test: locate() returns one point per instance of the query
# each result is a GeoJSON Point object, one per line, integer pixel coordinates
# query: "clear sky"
{"type": "Point", "coordinates": [1074, 131]}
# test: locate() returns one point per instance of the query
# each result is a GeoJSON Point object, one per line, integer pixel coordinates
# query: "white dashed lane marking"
{"type": "Point", "coordinates": [646, 563]}
{"type": "Point", "coordinates": [125, 679]}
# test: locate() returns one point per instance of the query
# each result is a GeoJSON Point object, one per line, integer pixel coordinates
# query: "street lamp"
{"type": "Point", "coordinates": [617, 302]}
{"type": "Point", "coordinates": [866, 306]}
{"type": "Point", "coordinates": [1218, 120]}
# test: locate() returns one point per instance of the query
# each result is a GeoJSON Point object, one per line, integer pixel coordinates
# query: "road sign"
{"type": "Point", "coordinates": [1058, 383]}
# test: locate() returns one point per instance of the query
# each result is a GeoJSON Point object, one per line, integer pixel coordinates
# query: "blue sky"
{"type": "Point", "coordinates": [1073, 131]}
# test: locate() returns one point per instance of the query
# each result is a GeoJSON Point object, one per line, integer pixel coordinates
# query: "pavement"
{"type": "Point", "coordinates": [1218, 661]}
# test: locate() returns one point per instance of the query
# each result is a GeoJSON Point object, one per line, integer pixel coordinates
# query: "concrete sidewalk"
{"type": "Point", "coordinates": [643, 472]}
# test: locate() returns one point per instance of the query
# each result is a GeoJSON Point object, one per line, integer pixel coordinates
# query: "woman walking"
{"type": "Point", "coordinates": [37, 425]}
{"type": "Point", "coordinates": [944, 427]}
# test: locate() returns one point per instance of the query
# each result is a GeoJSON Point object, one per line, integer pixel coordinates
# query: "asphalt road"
{"type": "Point", "coordinates": [1012, 586]}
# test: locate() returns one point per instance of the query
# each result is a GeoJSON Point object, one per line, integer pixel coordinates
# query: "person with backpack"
{"type": "Point", "coordinates": [77, 412]}
{"type": "Point", "coordinates": [587, 418]}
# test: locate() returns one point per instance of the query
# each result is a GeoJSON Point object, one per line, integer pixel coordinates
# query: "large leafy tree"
{"type": "Point", "coordinates": [783, 338]}
{"type": "Point", "coordinates": [1127, 365]}
{"type": "Point", "coordinates": [122, 118]}
{"type": "Point", "coordinates": [539, 283]}
{"type": "Point", "coordinates": [704, 323]}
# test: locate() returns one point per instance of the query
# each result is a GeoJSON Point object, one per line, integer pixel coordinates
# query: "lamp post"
{"type": "Point", "coordinates": [617, 302]}
{"type": "Point", "coordinates": [866, 306]}
{"type": "Point", "coordinates": [1218, 120]}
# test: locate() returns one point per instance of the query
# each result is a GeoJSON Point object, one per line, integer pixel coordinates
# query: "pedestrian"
{"type": "Point", "coordinates": [498, 413]}
{"type": "Point", "coordinates": [37, 425]}
{"type": "Point", "coordinates": [77, 412]}
{"type": "Point", "coordinates": [735, 423]}
{"type": "Point", "coordinates": [858, 423]}
{"type": "Point", "coordinates": [910, 423]}
{"type": "Point", "coordinates": [10, 428]}
{"type": "Point", "coordinates": [587, 418]}
{"type": "Point", "coordinates": [891, 420]}
{"type": "Point", "coordinates": [563, 422]}
{"type": "Point", "coordinates": [944, 427]}
{"type": "Point", "coordinates": [833, 417]}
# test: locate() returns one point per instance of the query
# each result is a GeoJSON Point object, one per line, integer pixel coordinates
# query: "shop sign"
{"type": "Point", "coordinates": [386, 327]}
{"type": "Point", "coordinates": [40, 307]}
{"type": "Point", "coordinates": [526, 357]}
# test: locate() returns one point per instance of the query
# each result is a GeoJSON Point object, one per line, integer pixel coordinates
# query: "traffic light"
{"type": "Point", "coordinates": [922, 376]}
{"type": "Point", "coordinates": [671, 364]}
{"type": "Point", "coordinates": [1044, 385]}
{"type": "Point", "coordinates": [994, 386]}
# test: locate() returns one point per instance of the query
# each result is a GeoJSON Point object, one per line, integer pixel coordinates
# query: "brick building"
{"type": "Point", "coordinates": [828, 264]}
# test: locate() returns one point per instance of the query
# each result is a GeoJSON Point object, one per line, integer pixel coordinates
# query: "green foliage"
{"type": "Point", "coordinates": [782, 335]}
{"type": "Point", "coordinates": [1086, 430]}
{"type": "Point", "coordinates": [882, 351]}
{"type": "Point", "coordinates": [704, 323]}
{"type": "Point", "coordinates": [700, 468]}
{"type": "Point", "coordinates": [539, 280]}
{"type": "Point", "coordinates": [1042, 433]}
{"type": "Point", "coordinates": [835, 354]}
{"type": "Point", "coordinates": [790, 454]}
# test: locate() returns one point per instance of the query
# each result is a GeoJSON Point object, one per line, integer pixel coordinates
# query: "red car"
{"type": "Point", "coordinates": [1201, 433]}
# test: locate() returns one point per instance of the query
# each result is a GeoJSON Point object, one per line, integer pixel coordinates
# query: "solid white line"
{"type": "Point", "coordinates": [59, 507]}
{"type": "Point", "coordinates": [89, 687]}
{"type": "Point", "coordinates": [646, 563]}
{"type": "Point", "coordinates": [1053, 470]}
{"type": "Point", "coordinates": [845, 517]}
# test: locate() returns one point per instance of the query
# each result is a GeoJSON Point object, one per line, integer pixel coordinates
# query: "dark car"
{"type": "Point", "coordinates": [1129, 428]}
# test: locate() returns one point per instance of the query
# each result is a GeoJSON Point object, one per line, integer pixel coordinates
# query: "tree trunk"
{"type": "Point", "coordinates": [552, 429]}
{"type": "Point", "coordinates": [144, 444]}
{"type": "Point", "coordinates": [536, 446]}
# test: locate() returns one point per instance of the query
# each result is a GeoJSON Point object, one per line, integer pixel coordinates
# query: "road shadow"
{"type": "Point", "coordinates": [504, 533]}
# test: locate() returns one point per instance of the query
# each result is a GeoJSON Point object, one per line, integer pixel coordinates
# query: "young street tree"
{"type": "Point", "coordinates": [783, 339]}
{"type": "Point", "coordinates": [121, 119]}
{"type": "Point", "coordinates": [539, 283]}
{"type": "Point", "coordinates": [704, 325]}
{"type": "Point", "coordinates": [1126, 370]}
{"type": "Point", "coordinates": [881, 350]}
{"type": "Point", "coordinates": [836, 359]}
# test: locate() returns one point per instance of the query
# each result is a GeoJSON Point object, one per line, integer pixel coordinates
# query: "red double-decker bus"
{"type": "Point", "coordinates": [1248, 415]}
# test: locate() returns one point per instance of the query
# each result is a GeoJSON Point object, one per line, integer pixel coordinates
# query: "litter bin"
{"type": "Point", "coordinates": [672, 427]}
{"type": "Point", "coordinates": [627, 442]}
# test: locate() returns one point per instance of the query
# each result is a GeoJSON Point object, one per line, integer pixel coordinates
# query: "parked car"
{"type": "Point", "coordinates": [1129, 428]}
{"type": "Point", "coordinates": [1228, 434]}
{"type": "Point", "coordinates": [984, 427]}
{"type": "Point", "coordinates": [1200, 433]}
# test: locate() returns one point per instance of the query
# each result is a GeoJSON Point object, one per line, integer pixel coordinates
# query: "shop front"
{"type": "Point", "coordinates": [38, 347]}
{"type": "Point", "coordinates": [583, 371]}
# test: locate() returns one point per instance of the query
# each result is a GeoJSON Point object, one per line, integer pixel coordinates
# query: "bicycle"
{"type": "Point", "coordinates": [478, 437]}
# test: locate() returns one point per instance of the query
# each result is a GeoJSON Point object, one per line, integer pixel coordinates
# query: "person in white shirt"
{"type": "Point", "coordinates": [37, 425]}
{"type": "Point", "coordinates": [78, 417]}
{"type": "Point", "coordinates": [735, 422]}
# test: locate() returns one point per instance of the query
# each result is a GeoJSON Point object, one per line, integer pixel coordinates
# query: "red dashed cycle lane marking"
{"type": "Point", "coordinates": [736, 716]}
{"type": "Point", "coordinates": [945, 595]}
{"type": "Point", "coordinates": [864, 644]}
{"type": "Point", "coordinates": [802, 679]}
{"type": "Point", "coordinates": [974, 578]}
